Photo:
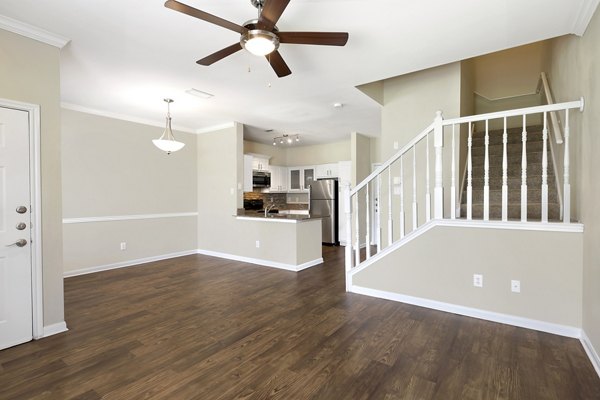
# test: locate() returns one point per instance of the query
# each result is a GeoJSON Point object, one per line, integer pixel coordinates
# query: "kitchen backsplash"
{"type": "Point", "coordinates": [279, 199]}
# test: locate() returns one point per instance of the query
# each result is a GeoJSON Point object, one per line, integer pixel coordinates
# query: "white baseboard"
{"type": "Point", "coordinates": [54, 329]}
{"type": "Point", "coordinates": [591, 351]}
{"type": "Point", "coordinates": [128, 263]}
{"type": "Point", "coordinates": [548, 327]}
{"type": "Point", "coordinates": [267, 263]}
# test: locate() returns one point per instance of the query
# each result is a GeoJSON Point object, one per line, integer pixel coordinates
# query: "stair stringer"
{"type": "Point", "coordinates": [433, 267]}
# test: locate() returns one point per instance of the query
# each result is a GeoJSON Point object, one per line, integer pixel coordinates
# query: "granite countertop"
{"type": "Point", "coordinates": [253, 214]}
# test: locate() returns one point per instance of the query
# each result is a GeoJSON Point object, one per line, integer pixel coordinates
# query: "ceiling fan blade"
{"type": "Point", "coordinates": [318, 38]}
{"type": "Point", "coordinates": [194, 12]}
{"type": "Point", "coordinates": [278, 64]}
{"type": "Point", "coordinates": [271, 13]}
{"type": "Point", "coordinates": [219, 55]}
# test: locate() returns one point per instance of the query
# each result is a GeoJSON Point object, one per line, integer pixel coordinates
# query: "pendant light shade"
{"type": "Point", "coordinates": [167, 141]}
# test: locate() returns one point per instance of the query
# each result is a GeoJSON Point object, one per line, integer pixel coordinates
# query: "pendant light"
{"type": "Point", "coordinates": [167, 141]}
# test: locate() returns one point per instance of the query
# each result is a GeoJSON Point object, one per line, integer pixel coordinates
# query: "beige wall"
{"type": "Point", "coordinates": [293, 156]}
{"type": "Point", "coordinates": [361, 157]}
{"type": "Point", "coordinates": [574, 72]}
{"type": "Point", "coordinates": [411, 101]}
{"type": "Point", "coordinates": [319, 154]}
{"type": "Point", "coordinates": [278, 154]}
{"type": "Point", "coordinates": [439, 265]}
{"type": "Point", "coordinates": [111, 168]}
{"type": "Point", "coordinates": [29, 72]}
{"type": "Point", "coordinates": [220, 170]}
{"type": "Point", "coordinates": [511, 72]}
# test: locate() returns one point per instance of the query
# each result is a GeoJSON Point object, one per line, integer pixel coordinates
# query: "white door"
{"type": "Point", "coordinates": [16, 318]}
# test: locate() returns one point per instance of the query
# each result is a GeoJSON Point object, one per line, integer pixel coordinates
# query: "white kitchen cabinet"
{"type": "Point", "coordinates": [260, 162]}
{"type": "Point", "coordinates": [324, 171]}
{"type": "Point", "coordinates": [300, 178]}
{"type": "Point", "coordinates": [279, 176]}
{"type": "Point", "coordinates": [247, 173]}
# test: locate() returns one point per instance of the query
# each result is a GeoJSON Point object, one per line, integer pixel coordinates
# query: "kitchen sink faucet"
{"type": "Point", "coordinates": [269, 208]}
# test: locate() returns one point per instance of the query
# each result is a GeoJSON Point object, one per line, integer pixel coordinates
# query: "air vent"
{"type": "Point", "coordinates": [199, 93]}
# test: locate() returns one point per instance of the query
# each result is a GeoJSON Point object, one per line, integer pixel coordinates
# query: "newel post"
{"type": "Point", "coordinates": [438, 144]}
{"type": "Point", "coordinates": [348, 249]}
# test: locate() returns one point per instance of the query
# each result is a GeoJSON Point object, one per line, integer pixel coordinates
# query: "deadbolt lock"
{"type": "Point", "coordinates": [21, 209]}
{"type": "Point", "coordinates": [21, 225]}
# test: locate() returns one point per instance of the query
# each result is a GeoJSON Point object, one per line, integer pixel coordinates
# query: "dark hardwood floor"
{"type": "Point", "coordinates": [199, 327]}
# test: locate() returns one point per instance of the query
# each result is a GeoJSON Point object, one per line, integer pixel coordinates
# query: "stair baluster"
{"type": "Point", "coordinates": [377, 201]}
{"type": "Point", "coordinates": [402, 223]}
{"type": "Point", "coordinates": [453, 184]}
{"type": "Point", "coordinates": [504, 174]}
{"type": "Point", "coordinates": [368, 222]}
{"type": "Point", "coordinates": [486, 175]}
{"type": "Point", "coordinates": [545, 171]}
{"type": "Point", "coordinates": [438, 144]}
{"type": "Point", "coordinates": [348, 250]}
{"type": "Point", "coordinates": [524, 172]}
{"type": "Point", "coordinates": [357, 227]}
{"type": "Point", "coordinates": [390, 212]}
{"type": "Point", "coordinates": [567, 166]}
{"type": "Point", "coordinates": [414, 205]}
{"type": "Point", "coordinates": [427, 189]}
{"type": "Point", "coordinates": [469, 175]}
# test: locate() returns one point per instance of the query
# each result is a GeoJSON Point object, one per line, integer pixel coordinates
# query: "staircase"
{"type": "Point", "coordinates": [421, 187]}
{"type": "Point", "coordinates": [534, 147]}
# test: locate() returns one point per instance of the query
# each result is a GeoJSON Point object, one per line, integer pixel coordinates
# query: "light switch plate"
{"type": "Point", "coordinates": [515, 286]}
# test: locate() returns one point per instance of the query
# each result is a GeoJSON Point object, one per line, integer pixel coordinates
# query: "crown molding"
{"type": "Point", "coordinates": [32, 32]}
{"type": "Point", "coordinates": [584, 15]}
{"type": "Point", "coordinates": [123, 117]}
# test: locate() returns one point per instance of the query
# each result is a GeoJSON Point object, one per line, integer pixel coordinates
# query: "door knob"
{"type": "Point", "coordinates": [21, 209]}
{"type": "Point", "coordinates": [21, 225]}
{"type": "Point", "coordinates": [18, 243]}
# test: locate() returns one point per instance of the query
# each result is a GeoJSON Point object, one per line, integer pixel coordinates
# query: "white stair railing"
{"type": "Point", "coordinates": [357, 200]}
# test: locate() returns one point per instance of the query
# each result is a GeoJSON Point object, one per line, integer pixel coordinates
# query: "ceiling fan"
{"type": "Point", "coordinates": [260, 36]}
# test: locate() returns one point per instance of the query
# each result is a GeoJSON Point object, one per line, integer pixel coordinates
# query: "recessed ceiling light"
{"type": "Point", "coordinates": [338, 105]}
{"type": "Point", "coordinates": [199, 93]}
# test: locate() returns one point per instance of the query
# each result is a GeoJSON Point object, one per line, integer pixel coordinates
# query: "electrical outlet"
{"type": "Point", "coordinates": [396, 180]}
{"type": "Point", "coordinates": [396, 146]}
{"type": "Point", "coordinates": [232, 190]}
{"type": "Point", "coordinates": [258, 244]}
{"type": "Point", "coordinates": [515, 286]}
{"type": "Point", "coordinates": [123, 245]}
{"type": "Point", "coordinates": [477, 280]}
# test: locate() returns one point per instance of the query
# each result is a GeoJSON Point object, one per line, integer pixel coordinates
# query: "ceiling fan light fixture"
{"type": "Point", "coordinates": [259, 42]}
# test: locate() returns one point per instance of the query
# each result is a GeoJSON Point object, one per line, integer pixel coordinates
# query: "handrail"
{"type": "Point", "coordinates": [395, 157]}
{"type": "Point", "coordinates": [517, 112]}
{"type": "Point", "coordinates": [553, 118]}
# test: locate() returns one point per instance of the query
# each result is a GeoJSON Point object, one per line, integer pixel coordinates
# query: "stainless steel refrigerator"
{"type": "Point", "coordinates": [324, 204]}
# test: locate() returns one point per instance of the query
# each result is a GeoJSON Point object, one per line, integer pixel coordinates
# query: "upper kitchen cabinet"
{"type": "Point", "coordinates": [279, 179]}
{"type": "Point", "coordinates": [324, 171]}
{"type": "Point", "coordinates": [300, 178]}
{"type": "Point", "coordinates": [260, 162]}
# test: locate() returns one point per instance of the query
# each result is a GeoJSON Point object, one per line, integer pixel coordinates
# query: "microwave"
{"type": "Point", "coordinates": [261, 179]}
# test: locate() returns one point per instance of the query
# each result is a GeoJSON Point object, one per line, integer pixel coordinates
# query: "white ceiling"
{"type": "Point", "coordinates": [125, 56]}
